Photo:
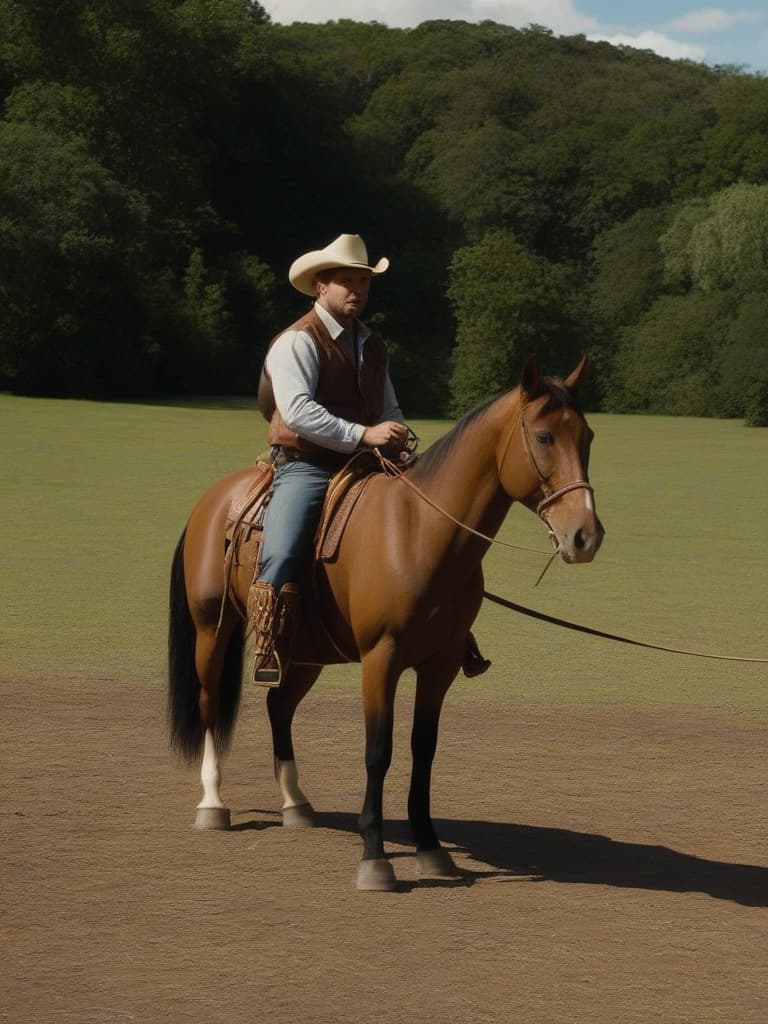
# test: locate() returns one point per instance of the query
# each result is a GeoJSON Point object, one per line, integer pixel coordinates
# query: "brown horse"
{"type": "Point", "coordinates": [403, 593]}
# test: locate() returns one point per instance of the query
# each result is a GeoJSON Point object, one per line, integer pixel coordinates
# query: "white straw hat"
{"type": "Point", "coordinates": [344, 251]}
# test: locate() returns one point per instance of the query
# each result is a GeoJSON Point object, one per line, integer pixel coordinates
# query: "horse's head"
{"type": "Point", "coordinates": [550, 474]}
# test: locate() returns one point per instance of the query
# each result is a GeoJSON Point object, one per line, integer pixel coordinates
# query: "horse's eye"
{"type": "Point", "coordinates": [544, 436]}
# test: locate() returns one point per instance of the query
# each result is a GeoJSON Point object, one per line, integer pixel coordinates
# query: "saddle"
{"type": "Point", "coordinates": [244, 529]}
{"type": "Point", "coordinates": [244, 532]}
{"type": "Point", "coordinates": [345, 488]}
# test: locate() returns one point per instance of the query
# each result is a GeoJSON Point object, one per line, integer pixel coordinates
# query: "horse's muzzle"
{"type": "Point", "coordinates": [580, 543]}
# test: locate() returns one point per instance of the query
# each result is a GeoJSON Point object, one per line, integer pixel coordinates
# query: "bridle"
{"type": "Point", "coordinates": [550, 495]}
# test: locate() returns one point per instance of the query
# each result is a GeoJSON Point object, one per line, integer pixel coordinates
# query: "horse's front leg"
{"type": "Point", "coordinates": [380, 675]}
{"type": "Point", "coordinates": [433, 681]}
{"type": "Point", "coordinates": [282, 702]}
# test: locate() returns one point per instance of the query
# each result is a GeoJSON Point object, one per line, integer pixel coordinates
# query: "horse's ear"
{"type": "Point", "coordinates": [576, 379]}
{"type": "Point", "coordinates": [530, 379]}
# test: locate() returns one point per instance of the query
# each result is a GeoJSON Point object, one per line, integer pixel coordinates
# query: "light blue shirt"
{"type": "Point", "coordinates": [293, 365]}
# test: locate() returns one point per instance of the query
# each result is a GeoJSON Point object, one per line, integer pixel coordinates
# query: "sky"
{"type": "Point", "coordinates": [731, 33]}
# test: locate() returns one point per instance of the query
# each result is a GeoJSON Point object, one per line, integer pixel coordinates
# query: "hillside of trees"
{"type": "Point", "coordinates": [163, 162]}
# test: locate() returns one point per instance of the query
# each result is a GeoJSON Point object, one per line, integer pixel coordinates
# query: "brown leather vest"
{"type": "Point", "coordinates": [340, 390]}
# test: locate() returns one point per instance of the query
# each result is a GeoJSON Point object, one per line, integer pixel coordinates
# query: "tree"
{"type": "Point", "coordinates": [105, 161]}
{"type": "Point", "coordinates": [720, 247]}
{"type": "Point", "coordinates": [744, 358]}
{"type": "Point", "coordinates": [735, 145]}
{"type": "Point", "coordinates": [757, 404]}
{"type": "Point", "coordinates": [729, 248]}
{"type": "Point", "coordinates": [626, 277]}
{"type": "Point", "coordinates": [669, 361]}
{"type": "Point", "coordinates": [627, 268]}
{"type": "Point", "coordinates": [508, 303]}
{"type": "Point", "coordinates": [473, 175]}
{"type": "Point", "coordinates": [70, 244]}
{"type": "Point", "coordinates": [163, 161]}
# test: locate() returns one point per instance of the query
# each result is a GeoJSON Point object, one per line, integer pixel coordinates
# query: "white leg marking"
{"type": "Point", "coordinates": [210, 775]}
{"type": "Point", "coordinates": [288, 780]}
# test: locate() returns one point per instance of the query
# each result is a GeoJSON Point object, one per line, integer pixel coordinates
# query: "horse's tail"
{"type": "Point", "coordinates": [184, 723]}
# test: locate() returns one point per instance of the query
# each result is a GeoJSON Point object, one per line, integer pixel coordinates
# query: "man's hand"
{"type": "Point", "coordinates": [389, 434]}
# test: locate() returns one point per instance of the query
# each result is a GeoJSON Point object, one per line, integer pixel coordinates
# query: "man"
{"type": "Point", "coordinates": [326, 391]}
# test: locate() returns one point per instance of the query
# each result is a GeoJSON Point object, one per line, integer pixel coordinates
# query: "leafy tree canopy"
{"type": "Point", "coordinates": [163, 161]}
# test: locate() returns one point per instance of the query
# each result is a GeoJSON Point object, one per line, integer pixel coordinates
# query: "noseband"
{"type": "Point", "coordinates": [552, 496]}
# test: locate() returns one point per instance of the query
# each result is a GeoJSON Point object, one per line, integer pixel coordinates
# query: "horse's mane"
{"type": "Point", "coordinates": [558, 396]}
{"type": "Point", "coordinates": [430, 462]}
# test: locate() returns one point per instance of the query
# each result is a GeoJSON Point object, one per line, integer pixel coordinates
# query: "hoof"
{"type": "Point", "coordinates": [300, 816]}
{"type": "Point", "coordinates": [208, 818]}
{"type": "Point", "coordinates": [376, 875]}
{"type": "Point", "coordinates": [435, 864]}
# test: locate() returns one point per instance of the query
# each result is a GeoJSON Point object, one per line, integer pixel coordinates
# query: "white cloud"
{"type": "Point", "coordinates": [563, 17]}
{"type": "Point", "coordinates": [662, 44]}
{"type": "Point", "coordinates": [710, 19]}
{"type": "Point", "coordinates": [559, 15]}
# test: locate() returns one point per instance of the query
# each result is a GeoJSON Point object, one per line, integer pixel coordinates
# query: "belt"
{"type": "Point", "coordinates": [281, 454]}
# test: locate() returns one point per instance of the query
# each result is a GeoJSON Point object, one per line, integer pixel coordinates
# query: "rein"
{"type": "Point", "coordinates": [550, 496]}
{"type": "Point", "coordinates": [393, 470]}
{"type": "Point", "coordinates": [612, 636]}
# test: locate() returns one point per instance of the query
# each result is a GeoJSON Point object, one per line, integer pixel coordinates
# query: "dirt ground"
{"type": "Point", "coordinates": [614, 869]}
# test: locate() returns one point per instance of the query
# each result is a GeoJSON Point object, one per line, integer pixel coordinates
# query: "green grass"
{"type": "Point", "coordinates": [95, 495]}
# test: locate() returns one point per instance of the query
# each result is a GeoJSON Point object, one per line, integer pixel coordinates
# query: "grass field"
{"type": "Point", "coordinates": [95, 495]}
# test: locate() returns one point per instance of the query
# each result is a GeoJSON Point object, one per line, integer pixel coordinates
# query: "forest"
{"type": "Point", "coordinates": [162, 163]}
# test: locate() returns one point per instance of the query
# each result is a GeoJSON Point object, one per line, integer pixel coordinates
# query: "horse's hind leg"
{"type": "Point", "coordinates": [282, 702]}
{"type": "Point", "coordinates": [210, 657]}
{"type": "Point", "coordinates": [211, 812]}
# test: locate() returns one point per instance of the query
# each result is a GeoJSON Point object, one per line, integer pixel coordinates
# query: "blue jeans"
{"type": "Point", "coordinates": [290, 522]}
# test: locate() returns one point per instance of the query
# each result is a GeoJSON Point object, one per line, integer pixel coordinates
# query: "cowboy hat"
{"type": "Point", "coordinates": [344, 251]}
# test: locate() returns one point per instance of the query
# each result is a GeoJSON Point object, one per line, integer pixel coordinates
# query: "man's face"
{"type": "Point", "coordinates": [345, 293]}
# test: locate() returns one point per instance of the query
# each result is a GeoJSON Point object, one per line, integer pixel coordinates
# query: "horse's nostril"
{"type": "Point", "coordinates": [580, 540]}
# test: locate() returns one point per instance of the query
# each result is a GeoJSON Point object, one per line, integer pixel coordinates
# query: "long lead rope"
{"type": "Point", "coordinates": [393, 470]}
{"type": "Point", "coordinates": [531, 613]}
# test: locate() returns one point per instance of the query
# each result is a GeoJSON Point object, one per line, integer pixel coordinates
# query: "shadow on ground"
{"type": "Point", "coordinates": [560, 855]}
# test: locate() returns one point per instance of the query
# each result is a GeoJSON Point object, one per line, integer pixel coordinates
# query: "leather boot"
{"type": "Point", "coordinates": [474, 664]}
{"type": "Point", "coordinates": [272, 621]}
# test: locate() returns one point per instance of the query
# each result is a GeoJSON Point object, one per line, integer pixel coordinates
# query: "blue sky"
{"type": "Point", "coordinates": [725, 33]}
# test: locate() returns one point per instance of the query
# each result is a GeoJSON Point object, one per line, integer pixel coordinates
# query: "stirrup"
{"type": "Point", "coordinates": [273, 622]}
{"type": "Point", "coordinates": [269, 673]}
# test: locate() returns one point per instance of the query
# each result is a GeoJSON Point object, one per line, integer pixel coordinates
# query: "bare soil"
{"type": "Point", "coordinates": [614, 868]}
